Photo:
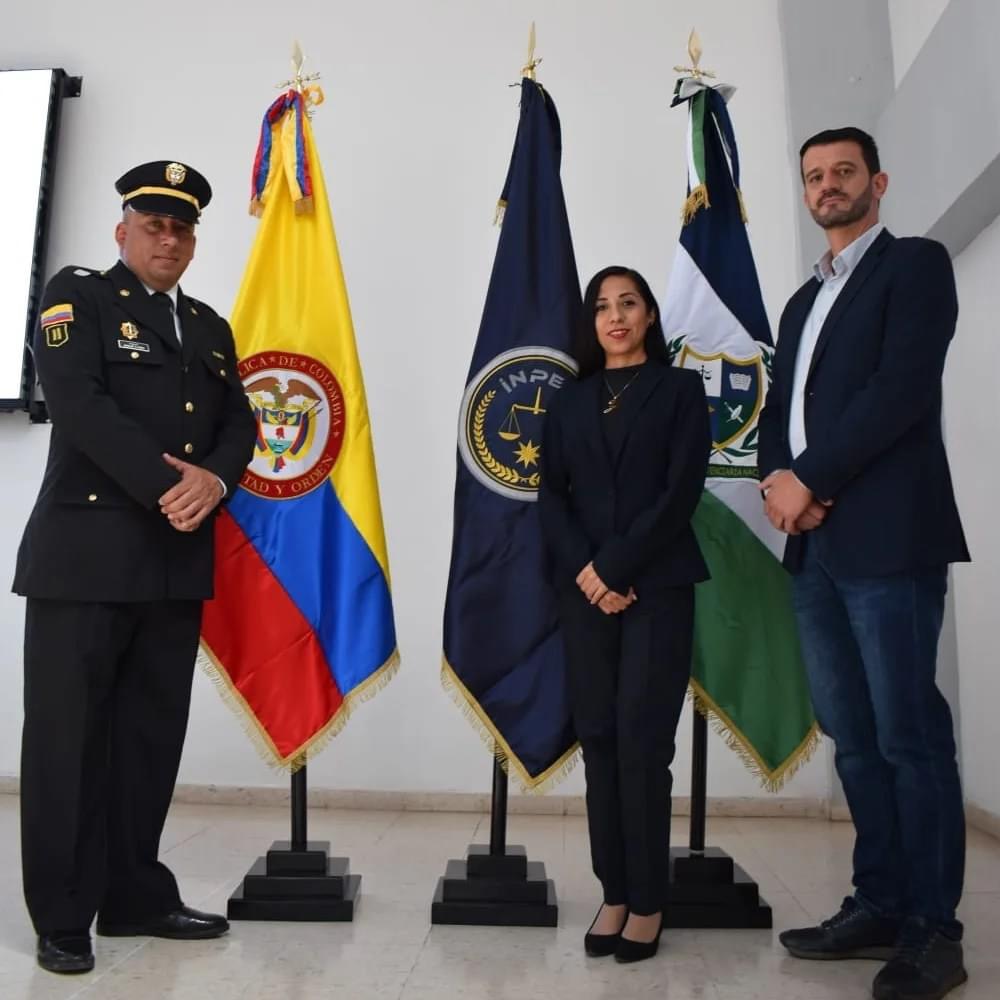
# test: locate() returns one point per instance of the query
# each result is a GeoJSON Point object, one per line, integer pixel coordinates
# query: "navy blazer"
{"type": "Point", "coordinates": [631, 515]}
{"type": "Point", "coordinates": [873, 414]}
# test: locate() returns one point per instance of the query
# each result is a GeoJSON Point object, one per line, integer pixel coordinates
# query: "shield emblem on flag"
{"type": "Point", "coordinates": [735, 391]}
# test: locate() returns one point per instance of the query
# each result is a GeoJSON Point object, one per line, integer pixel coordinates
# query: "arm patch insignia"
{"type": "Point", "coordinates": [55, 322]}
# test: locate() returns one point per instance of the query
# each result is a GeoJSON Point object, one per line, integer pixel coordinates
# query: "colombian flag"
{"type": "Point", "coordinates": [301, 626]}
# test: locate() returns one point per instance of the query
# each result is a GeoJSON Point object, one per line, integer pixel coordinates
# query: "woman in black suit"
{"type": "Point", "coordinates": [623, 466]}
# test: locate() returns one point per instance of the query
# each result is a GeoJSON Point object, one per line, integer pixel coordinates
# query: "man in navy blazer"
{"type": "Point", "coordinates": [855, 472]}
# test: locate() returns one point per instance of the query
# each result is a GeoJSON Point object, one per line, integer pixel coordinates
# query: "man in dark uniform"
{"type": "Point", "coordinates": [150, 431]}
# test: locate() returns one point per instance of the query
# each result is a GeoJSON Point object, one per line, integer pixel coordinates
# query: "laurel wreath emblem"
{"type": "Point", "coordinates": [492, 465]}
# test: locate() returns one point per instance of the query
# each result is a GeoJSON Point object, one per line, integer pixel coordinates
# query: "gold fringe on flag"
{"type": "Point", "coordinates": [258, 735]}
{"type": "Point", "coordinates": [490, 735]}
{"type": "Point", "coordinates": [773, 780]}
{"type": "Point", "coordinates": [499, 213]}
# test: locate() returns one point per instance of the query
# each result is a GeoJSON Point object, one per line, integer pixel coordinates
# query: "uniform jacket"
{"type": "Point", "coordinates": [873, 414]}
{"type": "Point", "coordinates": [120, 392]}
{"type": "Point", "coordinates": [630, 515]}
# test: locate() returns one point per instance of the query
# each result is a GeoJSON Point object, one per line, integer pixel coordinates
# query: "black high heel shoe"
{"type": "Point", "coordinates": [636, 951]}
{"type": "Point", "coordinates": [601, 945]}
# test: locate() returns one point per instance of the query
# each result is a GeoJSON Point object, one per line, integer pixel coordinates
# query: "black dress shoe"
{"type": "Point", "coordinates": [183, 924]}
{"type": "Point", "coordinates": [927, 965]}
{"type": "Point", "coordinates": [601, 945]}
{"type": "Point", "coordinates": [636, 951]}
{"type": "Point", "coordinates": [65, 952]}
{"type": "Point", "coordinates": [853, 932]}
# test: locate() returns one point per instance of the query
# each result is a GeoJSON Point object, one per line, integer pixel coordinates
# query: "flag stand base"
{"type": "Point", "coordinates": [708, 889]}
{"type": "Point", "coordinates": [496, 885]}
{"type": "Point", "coordinates": [297, 879]}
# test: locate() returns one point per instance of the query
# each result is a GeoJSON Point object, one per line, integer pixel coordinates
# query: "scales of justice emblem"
{"type": "Point", "coordinates": [299, 409]}
{"type": "Point", "coordinates": [500, 421]}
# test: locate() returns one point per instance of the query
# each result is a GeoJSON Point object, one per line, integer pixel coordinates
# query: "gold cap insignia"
{"type": "Point", "coordinates": [175, 173]}
{"type": "Point", "coordinates": [130, 331]}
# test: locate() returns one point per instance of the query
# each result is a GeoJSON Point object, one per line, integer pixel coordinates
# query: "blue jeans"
{"type": "Point", "coordinates": [870, 648]}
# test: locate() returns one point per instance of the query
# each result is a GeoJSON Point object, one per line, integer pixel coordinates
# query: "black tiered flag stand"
{"type": "Point", "coordinates": [297, 880]}
{"type": "Point", "coordinates": [707, 888]}
{"type": "Point", "coordinates": [496, 885]}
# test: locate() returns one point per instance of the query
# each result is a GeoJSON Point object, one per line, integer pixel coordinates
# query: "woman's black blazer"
{"type": "Point", "coordinates": [630, 515]}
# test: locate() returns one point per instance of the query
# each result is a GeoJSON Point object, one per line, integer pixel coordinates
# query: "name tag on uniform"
{"type": "Point", "coordinates": [133, 345]}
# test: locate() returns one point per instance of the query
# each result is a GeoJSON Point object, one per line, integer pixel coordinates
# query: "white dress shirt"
{"type": "Point", "coordinates": [833, 274]}
{"type": "Point", "coordinates": [171, 293]}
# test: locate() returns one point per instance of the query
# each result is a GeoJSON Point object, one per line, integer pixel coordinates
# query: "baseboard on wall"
{"type": "Point", "coordinates": [982, 819]}
{"type": "Point", "coordinates": [534, 805]}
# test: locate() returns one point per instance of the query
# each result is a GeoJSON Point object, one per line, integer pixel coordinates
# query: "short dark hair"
{"type": "Point", "coordinates": [587, 350]}
{"type": "Point", "coordinates": [849, 133]}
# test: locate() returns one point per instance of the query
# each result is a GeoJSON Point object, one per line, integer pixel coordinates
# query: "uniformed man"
{"type": "Point", "coordinates": [150, 432]}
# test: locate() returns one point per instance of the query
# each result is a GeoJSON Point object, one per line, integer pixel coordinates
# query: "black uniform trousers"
{"type": "Point", "coordinates": [107, 688]}
{"type": "Point", "coordinates": [628, 674]}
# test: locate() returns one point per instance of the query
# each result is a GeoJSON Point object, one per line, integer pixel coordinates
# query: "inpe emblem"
{"type": "Point", "coordinates": [500, 422]}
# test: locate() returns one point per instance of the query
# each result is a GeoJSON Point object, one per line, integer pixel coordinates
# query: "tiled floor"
{"type": "Point", "coordinates": [391, 950]}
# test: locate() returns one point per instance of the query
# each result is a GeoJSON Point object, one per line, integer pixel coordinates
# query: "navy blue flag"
{"type": "Point", "coordinates": [503, 656]}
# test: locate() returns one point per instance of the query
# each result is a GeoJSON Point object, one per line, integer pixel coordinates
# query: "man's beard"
{"type": "Point", "coordinates": [847, 214]}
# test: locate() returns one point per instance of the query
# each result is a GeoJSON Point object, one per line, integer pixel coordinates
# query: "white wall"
{"type": "Point", "coordinates": [970, 403]}
{"type": "Point", "coordinates": [912, 21]}
{"type": "Point", "coordinates": [415, 138]}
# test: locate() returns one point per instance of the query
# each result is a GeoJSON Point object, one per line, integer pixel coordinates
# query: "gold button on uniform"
{"type": "Point", "coordinates": [222, 372]}
{"type": "Point", "coordinates": [189, 407]}
{"type": "Point", "coordinates": [188, 448]}
{"type": "Point", "coordinates": [134, 355]}
{"type": "Point", "coordinates": [92, 497]}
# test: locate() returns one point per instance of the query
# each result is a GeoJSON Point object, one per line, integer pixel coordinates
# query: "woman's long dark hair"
{"type": "Point", "coordinates": [587, 350]}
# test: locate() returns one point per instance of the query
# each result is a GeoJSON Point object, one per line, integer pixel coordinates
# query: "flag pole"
{"type": "Point", "coordinates": [699, 782]}
{"type": "Point", "coordinates": [498, 811]}
{"type": "Point", "coordinates": [495, 884]}
{"type": "Point", "coordinates": [297, 879]}
{"type": "Point", "coordinates": [707, 888]}
{"type": "Point", "coordinates": [299, 809]}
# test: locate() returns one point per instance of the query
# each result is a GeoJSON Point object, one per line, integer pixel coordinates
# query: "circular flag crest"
{"type": "Point", "coordinates": [500, 423]}
{"type": "Point", "coordinates": [299, 408]}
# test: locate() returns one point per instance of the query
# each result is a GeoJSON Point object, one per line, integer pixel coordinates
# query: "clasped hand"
{"type": "Point", "coordinates": [190, 501]}
{"type": "Point", "coordinates": [597, 592]}
{"type": "Point", "coordinates": [790, 505]}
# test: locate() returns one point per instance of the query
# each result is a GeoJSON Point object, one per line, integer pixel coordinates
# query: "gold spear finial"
{"type": "Point", "coordinates": [694, 53]}
{"type": "Point", "coordinates": [528, 69]}
{"type": "Point", "coordinates": [299, 79]}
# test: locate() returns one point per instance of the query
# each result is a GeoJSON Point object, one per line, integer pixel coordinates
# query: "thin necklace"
{"type": "Point", "coordinates": [613, 401]}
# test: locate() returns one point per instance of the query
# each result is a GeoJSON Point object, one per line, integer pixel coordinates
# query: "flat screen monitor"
{"type": "Point", "coordinates": [31, 101]}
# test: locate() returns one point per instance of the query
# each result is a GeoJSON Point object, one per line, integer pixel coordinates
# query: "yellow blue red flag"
{"type": "Point", "coordinates": [301, 625]}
